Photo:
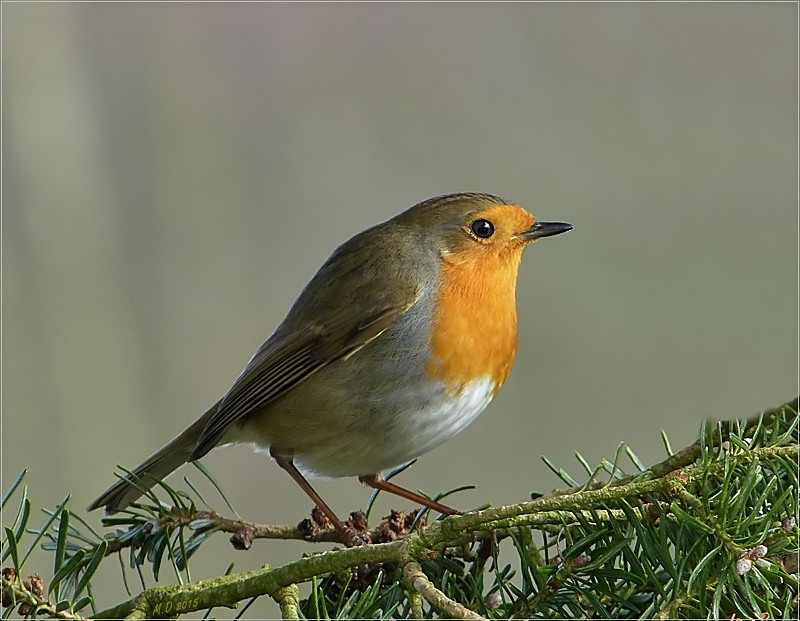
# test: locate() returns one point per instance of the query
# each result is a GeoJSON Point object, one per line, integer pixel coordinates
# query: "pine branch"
{"type": "Point", "coordinates": [710, 531]}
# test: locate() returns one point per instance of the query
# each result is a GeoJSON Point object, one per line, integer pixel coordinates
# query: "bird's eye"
{"type": "Point", "coordinates": [482, 228]}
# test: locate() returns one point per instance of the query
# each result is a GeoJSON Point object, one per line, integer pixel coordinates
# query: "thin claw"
{"type": "Point", "coordinates": [348, 534]}
{"type": "Point", "coordinates": [377, 482]}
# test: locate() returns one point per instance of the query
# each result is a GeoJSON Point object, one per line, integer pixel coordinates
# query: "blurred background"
{"type": "Point", "coordinates": [173, 174]}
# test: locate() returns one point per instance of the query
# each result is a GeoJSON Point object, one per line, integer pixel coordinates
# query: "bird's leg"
{"type": "Point", "coordinates": [375, 481]}
{"type": "Point", "coordinates": [350, 537]}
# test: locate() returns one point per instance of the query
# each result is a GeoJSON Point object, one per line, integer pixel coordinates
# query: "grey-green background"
{"type": "Point", "coordinates": [173, 174]}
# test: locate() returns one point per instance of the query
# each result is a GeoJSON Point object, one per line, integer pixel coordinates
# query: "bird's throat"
{"type": "Point", "coordinates": [474, 332]}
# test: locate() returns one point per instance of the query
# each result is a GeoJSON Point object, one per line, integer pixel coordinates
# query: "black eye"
{"type": "Point", "coordinates": [482, 228]}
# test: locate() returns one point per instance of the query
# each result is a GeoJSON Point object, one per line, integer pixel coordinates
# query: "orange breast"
{"type": "Point", "coordinates": [474, 333]}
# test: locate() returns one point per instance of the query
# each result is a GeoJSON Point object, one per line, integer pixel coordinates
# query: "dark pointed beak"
{"type": "Point", "coordinates": [545, 229]}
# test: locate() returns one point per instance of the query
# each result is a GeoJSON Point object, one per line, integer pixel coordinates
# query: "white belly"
{"type": "Point", "coordinates": [393, 440]}
{"type": "Point", "coordinates": [431, 426]}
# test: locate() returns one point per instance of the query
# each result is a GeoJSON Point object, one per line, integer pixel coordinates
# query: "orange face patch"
{"type": "Point", "coordinates": [474, 332]}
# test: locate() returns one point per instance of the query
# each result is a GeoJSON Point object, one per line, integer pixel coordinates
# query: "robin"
{"type": "Point", "coordinates": [399, 341]}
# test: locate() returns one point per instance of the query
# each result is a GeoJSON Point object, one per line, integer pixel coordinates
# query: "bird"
{"type": "Point", "coordinates": [398, 342]}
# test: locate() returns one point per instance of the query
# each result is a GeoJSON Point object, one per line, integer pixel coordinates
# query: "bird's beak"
{"type": "Point", "coordinates": [545, 229]}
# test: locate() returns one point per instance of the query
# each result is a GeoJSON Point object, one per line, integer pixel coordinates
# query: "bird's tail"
{"type": "Point", "coordinates": [154, 468]}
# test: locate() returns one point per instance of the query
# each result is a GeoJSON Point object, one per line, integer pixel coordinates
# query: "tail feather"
{"type": "Point", "coordinates": [154, 468]}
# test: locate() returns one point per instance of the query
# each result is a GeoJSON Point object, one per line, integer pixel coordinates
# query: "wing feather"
{"type": "Point", "coordinates": [282, 363]}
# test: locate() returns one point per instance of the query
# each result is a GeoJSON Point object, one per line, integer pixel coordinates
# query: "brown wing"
{"type": "Point", "coordinates": [294, 353]}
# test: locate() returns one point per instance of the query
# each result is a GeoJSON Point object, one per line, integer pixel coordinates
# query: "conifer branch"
{"type": "Point", "coordinates": [710, 531]}
{"type": "Point", "coordinates": [421, 584]}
